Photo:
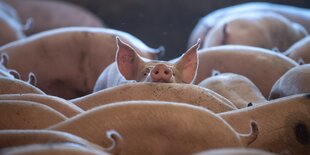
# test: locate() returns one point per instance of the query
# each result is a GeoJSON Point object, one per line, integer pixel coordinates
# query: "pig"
{"type": "Point", "coordinates": [11, 28]}
{"type": "Point", "coordinates": [15, 86]}
{"type": "Point", "coordinates": [68, 61]}
{"type": "Point", "coordinates": [27, 115]}
{"type": "Point", "coordinates": [172, 92]}
{"type": "Point", "coordinates": [263, 67]}
{"type": "Point", "coordinates": [260, 29]}
{"type": "Point", "coordinates": [294, 81]}
{"type": "Point", "coordinates": [235, 151]}
{"type": "Point", "coordinates": [300, 51]}
{"type": "Point", "coordinates": [157, 128]}
{"type": "Point", "coordinates": [283, 124]}
{"type": "Point", "coordinates": [205, 24]}
{"type": "Point", "coordinates": [44, 16]}
{"type": "Point", "coordinates": [15, 139]}
{"type": "Point", "coordinates": [129, 67]}
{"type": "Point", "coordinates": [52, 149]}
{"type": "Point", "coordinates": [237, 88]}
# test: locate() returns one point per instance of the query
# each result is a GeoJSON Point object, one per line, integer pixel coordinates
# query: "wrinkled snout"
{"type": "Point", "coordinates": [161, 73]}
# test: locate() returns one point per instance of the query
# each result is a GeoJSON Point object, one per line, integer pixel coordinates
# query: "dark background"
{"type": "Point", "coordinates": [162, 22]}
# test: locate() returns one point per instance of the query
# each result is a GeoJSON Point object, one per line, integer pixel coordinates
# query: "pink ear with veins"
{"type": "Point", "coordinates": [127, 59]}
{"type": "Point", "coordinates": [188, 64]}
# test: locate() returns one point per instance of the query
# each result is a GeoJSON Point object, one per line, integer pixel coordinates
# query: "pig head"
{"type": "Point", "coordinates": [130, 67]}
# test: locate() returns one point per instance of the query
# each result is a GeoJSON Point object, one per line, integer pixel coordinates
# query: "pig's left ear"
{"type": "Point", "coordinates": [188, 64]}
{"type": "Point", "coordinates": [127, 60]}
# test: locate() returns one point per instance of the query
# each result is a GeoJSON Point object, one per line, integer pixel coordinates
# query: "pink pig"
{"type": "Point", "coordinates": [130, 67]}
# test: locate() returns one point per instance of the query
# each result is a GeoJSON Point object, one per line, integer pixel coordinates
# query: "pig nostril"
{"type": "Point", "coordinates": [156, 72]}
{"type": "Point", "coordinates": [167, 72]}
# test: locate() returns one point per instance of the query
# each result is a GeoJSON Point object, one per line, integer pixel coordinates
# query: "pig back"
{"type": "Point", "coordinates": [67, 61]}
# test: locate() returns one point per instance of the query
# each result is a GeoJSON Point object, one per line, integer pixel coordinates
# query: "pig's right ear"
{"type": "Point", "coordinates": [127, 60]}
{"type": "Point", "coordinates": [188, 64]}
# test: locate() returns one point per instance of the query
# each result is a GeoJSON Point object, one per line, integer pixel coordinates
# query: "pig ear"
{"type": "Point", "coordinates": [188, 64]}
{"type": "Point", "coordinates": [127, 60]}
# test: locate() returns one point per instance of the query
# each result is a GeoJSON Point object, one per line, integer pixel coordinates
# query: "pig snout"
{"type": "Point", "coordinates": [161, 73]}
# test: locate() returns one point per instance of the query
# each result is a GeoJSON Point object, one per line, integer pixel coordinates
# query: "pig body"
{"type": "Point", "coordinates": [294, 81]}
{"type": "Point", "coordinates": [263, 67]}
{"type": "Point", "coordinates": [157, 128]}
{"type": "Point", "coordinates": [260, 29]}
{"type": "Point", "coordinates": [10, 27]}
{"type": "Point", "coordinates": [44, 16]}
{"type": "Point", "coordinates": [236, 88]}
{"type": "Point", "coordinates": [300, 51]}
{"type": "Point", "coordinates": [130, 67]}
{"type": "Point", "coordinates": [53, 148]}
{"type": "Point", "coordinates": [295, 14]}
{"type": "Point", "coordinates": [235, 151]}
{"type": "Point", "coordinates": [283, 124]}
{"type": "Point", "coordinates": [27, 115]}
{"type": "Point", "coordinates": [74, 56]}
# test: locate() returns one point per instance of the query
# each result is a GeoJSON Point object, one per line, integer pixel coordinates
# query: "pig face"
{"type": "Point", "coordinates": [134, 67]}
